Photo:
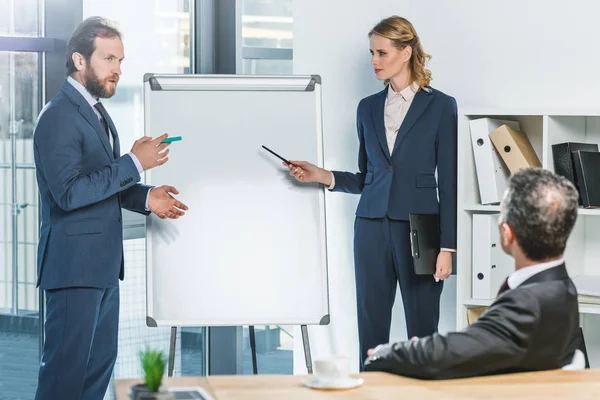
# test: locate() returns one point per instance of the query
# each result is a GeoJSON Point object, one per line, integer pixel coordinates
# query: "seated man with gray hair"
{"type": "Point", "coordinates": [533, 324]}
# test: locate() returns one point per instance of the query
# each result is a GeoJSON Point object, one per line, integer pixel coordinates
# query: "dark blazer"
{"type": "Point", "coordinates": [404, 182]}
{"type": "Point", "coordinates": [83, 185]}
{"type": "Point", "coordinates": [533, 327]}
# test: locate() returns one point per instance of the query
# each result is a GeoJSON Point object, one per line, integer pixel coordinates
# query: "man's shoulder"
{"type": "Point", "coordinates": [522, 296]}
{"type": "Point", "coordinates": [560, 293]}
{"type": "Point", "coordinates": [58, 114]}
{"type": "Point", "coordinates": [60, 106]}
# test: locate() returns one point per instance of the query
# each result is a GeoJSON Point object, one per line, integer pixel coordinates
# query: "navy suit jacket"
{"type": "Point", "coordinates": [404, 182]}
{"type": "Point", "coordinates": [83, 185]}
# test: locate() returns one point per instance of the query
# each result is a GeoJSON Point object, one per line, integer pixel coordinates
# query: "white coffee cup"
{"type": "Point", "coordinates": [331, 369]}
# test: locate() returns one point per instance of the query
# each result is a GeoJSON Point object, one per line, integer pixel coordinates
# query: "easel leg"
{"type": "Point", "coordinates": [306, 343]}
{"type": "Point", "coordinates": [172, 350]}
{"type": "Point", "coordinates": [253, 349]}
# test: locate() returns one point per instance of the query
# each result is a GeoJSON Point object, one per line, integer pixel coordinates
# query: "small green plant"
{"type": "Point", "coordinates": [153, 363]}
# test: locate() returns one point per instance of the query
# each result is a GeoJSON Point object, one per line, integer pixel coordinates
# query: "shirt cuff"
{"type": "Point", "coordinates": [137, 163]}
{"type": "Point", "coordinates": [330, 187]}
{"type": "Point", "coordinates": [147, 197]}
{"type": "Point", "coordinates": [450, 250]}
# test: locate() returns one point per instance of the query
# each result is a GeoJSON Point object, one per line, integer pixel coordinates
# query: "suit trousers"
{"type": "Point", "coordinates": [383, 258]}
{"type": "Point", "coordinates": [81, 343]}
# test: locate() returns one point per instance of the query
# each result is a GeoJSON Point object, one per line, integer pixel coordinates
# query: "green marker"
{"type": "Point", "coordinates": [172, 139]}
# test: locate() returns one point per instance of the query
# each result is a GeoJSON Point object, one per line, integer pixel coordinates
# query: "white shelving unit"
{"type": "Point", "coordinates": [582, 256]}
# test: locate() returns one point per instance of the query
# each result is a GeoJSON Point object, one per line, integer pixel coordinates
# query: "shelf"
{"type": "Point", "coordinates": [491, 111]}
{"type": "Point", "coordinates": [589, 211]}
{"type": "Point", "coordinates": [478, 302]}
{"type": "Point", "coordinates": [544, 127]}
{"type": "Point", "coordinates": [584, 308]}
{"type": "Point", "coordinates": [496, 209]}
{"type": "Point", "coordinates": [483, 208]}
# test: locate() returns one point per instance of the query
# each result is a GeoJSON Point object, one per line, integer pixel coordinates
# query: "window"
{"type": "Point", "coordinates": [267, 37]}
{"type": "Point", "coordinates": [20, 101]}
{"type": "Point", "coordinates": [20, 17]}
{"type": "Point", "coordinates": [274, 350]}
{"type": "Point", "coordinates": [157, 39]}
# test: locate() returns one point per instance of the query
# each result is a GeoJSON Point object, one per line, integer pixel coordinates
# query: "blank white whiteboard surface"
{"type": "Point", "coordinates": [251, 250]}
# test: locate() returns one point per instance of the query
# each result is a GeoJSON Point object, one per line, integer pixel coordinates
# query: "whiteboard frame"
{"type": "Point", "coordinates": [183, 82]}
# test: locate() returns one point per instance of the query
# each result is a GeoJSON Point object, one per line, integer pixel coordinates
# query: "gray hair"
{"type": "Point", "coordinates": [541, 208]}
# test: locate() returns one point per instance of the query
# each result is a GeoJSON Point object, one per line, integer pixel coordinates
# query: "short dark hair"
{"type": "Point", "coordinates": [82, 40]}
{"type": "Point", "coordinates": [541, 208]}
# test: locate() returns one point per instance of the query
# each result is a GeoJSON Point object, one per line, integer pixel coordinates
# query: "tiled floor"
{"type": "Point", "coordinates": [19, 362]}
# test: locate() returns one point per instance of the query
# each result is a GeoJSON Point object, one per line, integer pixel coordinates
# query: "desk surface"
{"type": "Point", "coordinates": [532, 385]}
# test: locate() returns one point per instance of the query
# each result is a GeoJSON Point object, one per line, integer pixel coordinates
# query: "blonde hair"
{"type": "Point", "coordinates": [402, 33]}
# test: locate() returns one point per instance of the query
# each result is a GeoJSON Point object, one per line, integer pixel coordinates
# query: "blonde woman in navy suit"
{"type": "Point", "coordinates": [406, 132]}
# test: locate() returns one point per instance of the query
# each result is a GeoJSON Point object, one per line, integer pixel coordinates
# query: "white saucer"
{"type": "Point", "coordinates": [346, 383]}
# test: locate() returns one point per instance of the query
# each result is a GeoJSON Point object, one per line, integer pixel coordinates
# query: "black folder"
{"type": "Point", "coordinates": [424, 242]}
{"type": "Point", "coordinates": [564, 164]}
{"type": "Point", "coordinates": [587, 171]}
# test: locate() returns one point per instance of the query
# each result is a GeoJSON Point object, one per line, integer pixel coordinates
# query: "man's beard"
{"type": "Point", "coordinates": [99, 88]}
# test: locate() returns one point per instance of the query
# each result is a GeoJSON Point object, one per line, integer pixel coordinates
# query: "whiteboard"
{"type": "Point", "coordinates": [251, 250]}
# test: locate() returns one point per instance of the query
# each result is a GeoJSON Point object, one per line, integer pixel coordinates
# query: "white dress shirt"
{"type": "Point", "coordinates": [522, 274]}
{"type": "Point", "coordinates": [394, 111]}
{"type": "Point", "coordinates": [92, 102]}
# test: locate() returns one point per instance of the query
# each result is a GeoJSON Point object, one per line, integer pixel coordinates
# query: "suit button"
{"type": "Point", "coordinates": [390, 168]}
{"type": "Point", "coordinates": [120, 219]}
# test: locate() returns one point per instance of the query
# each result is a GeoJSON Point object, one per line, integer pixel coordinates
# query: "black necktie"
{"type": "Point", "coordinates": [104, 117]}
{"type": "Point", "coordinates": [504, 287]}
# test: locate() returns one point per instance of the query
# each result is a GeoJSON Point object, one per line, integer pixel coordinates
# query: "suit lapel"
{"type": "Point", "coordinates": [91, 117]}
{"type": "Point", "coordinates": [86, 111]}
{"type": "Point", "coordinates": [416, 109]}
{"type": "Point", "coordinates": [377, 108]}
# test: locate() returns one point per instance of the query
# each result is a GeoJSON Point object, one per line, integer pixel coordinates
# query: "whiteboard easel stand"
{"type": "Point", "coordinates": [305, 343]}
{"type": "Point", "coordinates": [253, 349]}
{"type": "Point", "coordinates": [172, 350]}
{"type": "Point", "coordinates": [160, 91]}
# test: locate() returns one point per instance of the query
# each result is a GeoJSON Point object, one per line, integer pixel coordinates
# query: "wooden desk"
{"type": "Point", "coordinates": [535, 385]}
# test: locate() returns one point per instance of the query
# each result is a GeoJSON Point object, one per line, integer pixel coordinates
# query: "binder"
{"type": "Point", "coordinates": [492, 173]}
{"type": "Point", "coordinates": [515, 148]}
{"type": "Point", "coordinates": [587, 174]}
{"type": "Point", "coordinates": [563, 158]}
{"type": "Point", "coordinates": [490, 264]}
{"type": "Point", "coordinates": [424, 242]}
{"type": "Point", "coordinates": [474, 313]}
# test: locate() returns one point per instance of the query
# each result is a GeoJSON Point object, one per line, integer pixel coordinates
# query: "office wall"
{"type": "Point", "coordinates": [535, 54]}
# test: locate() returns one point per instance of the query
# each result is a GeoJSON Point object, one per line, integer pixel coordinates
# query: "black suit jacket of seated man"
{"type": "Point", "coordinates": [532, 327]}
